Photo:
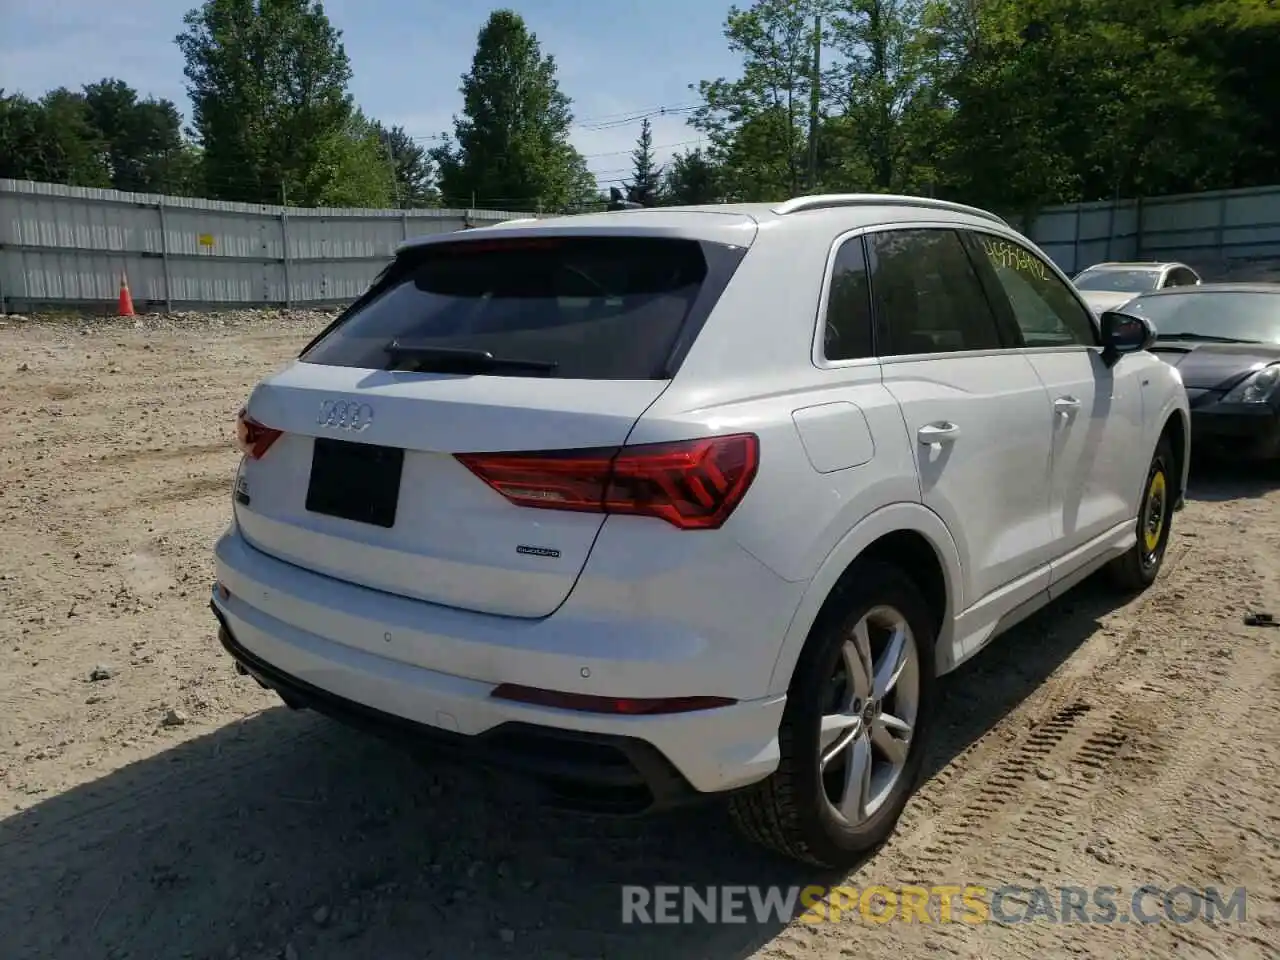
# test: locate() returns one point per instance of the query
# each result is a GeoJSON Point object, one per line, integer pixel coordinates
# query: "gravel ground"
{"type": "Point", "coordinates": [156, 805]}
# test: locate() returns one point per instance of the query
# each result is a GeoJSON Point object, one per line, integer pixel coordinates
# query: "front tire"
{"type": "Point", "coordinates": [854, 730]}
{"type": "Point", "coordinates": [1136, 570]}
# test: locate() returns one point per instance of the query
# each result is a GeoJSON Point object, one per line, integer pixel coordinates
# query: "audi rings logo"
{"type": "Point", "coordinates": [345, 415]}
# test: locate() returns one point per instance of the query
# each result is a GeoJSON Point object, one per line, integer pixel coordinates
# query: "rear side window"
{"type": "Point", "coordinates": [847, 334]}
{"type": "Point", "coordinates": [596, 308]}
{"type": "Point", "coordinates": [928, 298]}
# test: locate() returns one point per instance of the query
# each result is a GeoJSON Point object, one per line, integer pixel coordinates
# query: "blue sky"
{"type": "Point", "coordinates": [407, 57]}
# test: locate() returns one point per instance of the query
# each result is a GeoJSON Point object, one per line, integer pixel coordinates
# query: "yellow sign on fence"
{"type": "Point", "coordinates": [206, 239]}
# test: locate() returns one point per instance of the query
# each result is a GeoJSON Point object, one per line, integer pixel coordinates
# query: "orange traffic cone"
{"type": "Point", "coordinates": [126, 301]}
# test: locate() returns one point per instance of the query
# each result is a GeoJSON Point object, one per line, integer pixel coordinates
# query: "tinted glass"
{"type": "Point", "coordinates": [1235, 315]}
{"type": "Point", "coordinates": [1045, 310]}
{"type": "Point", "coordinates": [1118, 281]}
{"type": "Point", "coordinates": [927, 296]}
{"type": "Point", "coordinates": [848, 325]}
{"type": "Point", "coordinates": [1181, 278]}
{"type": "Point", "coordinates": [597, 308]}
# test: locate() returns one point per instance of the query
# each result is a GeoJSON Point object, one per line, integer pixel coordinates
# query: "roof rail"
{"type": "Point", "coordinates": [827, 201]}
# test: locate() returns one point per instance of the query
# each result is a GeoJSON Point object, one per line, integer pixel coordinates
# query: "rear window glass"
{"type": "Point", "coordinates": [599, 308]}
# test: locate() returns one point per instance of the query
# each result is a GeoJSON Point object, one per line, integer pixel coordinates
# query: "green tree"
{"type": "Point", "coordinates": [24, 155]}
{"type": "Point", "coordinates": [1062, 100]}
{"type": "Point", "coordinates": [510, 146]}
{"type": "Point", "coordinates": [411, 166]}
{"type": "Point", "coordinates": [145, 151]}
{"type": "Point", "coordinates": [1241, 40]}
{"type": "Point", "coordinates": [885, 92]}
{"type": "Point", "coordinates": [267, 81]}
{"type": "Point", "coordinates": [690, 178]}
{"type": "Point", "coordinates": [51, 140]}
{"type": "Point", "coordinates": [646, 175]}
{"type": "Point", "coordinates": [351, 168]}
{"type": "Point", "coordinates": [757, 123]}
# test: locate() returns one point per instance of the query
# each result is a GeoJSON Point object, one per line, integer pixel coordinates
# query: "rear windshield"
{"type": "Point", "coordinates": [598, 308]}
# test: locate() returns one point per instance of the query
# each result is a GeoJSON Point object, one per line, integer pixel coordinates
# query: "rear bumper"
{"type": "Point", "coordinates": [595, 772]}
{"type": "Point", "coordinates": [620, 764]}
{"type": "Point", "coordinates": [1236, 431]}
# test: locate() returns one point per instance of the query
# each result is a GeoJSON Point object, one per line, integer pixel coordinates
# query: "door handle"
{"type": "Point", "coordinates": [1066, 405]}
{"type": "Point", "coordinates": [937, 433]}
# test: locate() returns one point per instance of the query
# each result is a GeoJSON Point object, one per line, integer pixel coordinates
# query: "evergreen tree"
{"type": "Point", "coordinates": [646, 176]}
{"type": "Point", "coordinates": [510, 146]}
{"type": "Point", "coordinates": [690, 178]}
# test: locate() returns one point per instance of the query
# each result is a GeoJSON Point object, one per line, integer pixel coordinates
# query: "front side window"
{"type": "Point", "coordinates": [1045, 310]}
{"type": "Point", "coordinates": [927, 296]}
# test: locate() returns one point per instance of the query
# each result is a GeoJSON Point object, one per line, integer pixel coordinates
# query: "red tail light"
{"type": "Point", "coordinates": [253, 438]}
{"type": "Point", "coordinates": [625, 706]}
{"type": "Point", "coordinates": [691, 484]}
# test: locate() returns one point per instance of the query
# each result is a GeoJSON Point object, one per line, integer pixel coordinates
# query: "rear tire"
{"type": "Point", "coordinates": [793, 812]}
{"type": "Point", "coordinates": [1137, 569]}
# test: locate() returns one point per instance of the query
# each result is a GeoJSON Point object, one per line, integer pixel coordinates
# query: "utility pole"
{"type": "Point", "coordinates": [815, 99]}
{"type": "Point", "coordinates": [391, 167]}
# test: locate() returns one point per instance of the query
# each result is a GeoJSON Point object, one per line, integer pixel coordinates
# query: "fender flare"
{"type": "Point", "coordinates": [894, 518]}
{"type": "Point", "coordinates": [1174, 408]}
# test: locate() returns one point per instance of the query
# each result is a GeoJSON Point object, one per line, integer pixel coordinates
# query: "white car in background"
{"type": "Point", "coordinates": [668, 504]}
{"type": "Point", "coordinates": [1106, 286]}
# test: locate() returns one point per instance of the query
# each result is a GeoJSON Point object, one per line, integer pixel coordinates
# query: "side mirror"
{"type": "Point", "coordinates": [1125, 333]}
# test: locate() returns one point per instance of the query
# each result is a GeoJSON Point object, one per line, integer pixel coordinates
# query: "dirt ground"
{"type": "Point", "coordinates": [153, 804]}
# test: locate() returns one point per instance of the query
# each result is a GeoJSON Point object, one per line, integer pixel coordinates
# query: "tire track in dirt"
{"type": "Point", "coordinates": [191, 451]}
{"type": "Point", "coordinates": [1017, 807]}
{"type": "Point", "coordinates": [1099, 743]}
{"type": "Point", "coordinates": [1216, 789]}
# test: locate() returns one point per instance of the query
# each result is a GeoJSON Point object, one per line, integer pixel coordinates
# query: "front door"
{"type": "Point", "coordinates": [1097, 409]}
{"type": "Point", "coordinates": [975, 411]}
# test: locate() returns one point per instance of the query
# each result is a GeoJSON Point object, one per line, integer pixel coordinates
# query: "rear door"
{"type": "Point", "coordinates": [1097, 409]}
{"type": "Point", "coordinates": [977, 414]}
{"type": "Point", "coordinates": [472, 346]}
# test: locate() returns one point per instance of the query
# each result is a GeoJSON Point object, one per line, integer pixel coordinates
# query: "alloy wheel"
{"type": "Point", "coordinates": [871, 711]}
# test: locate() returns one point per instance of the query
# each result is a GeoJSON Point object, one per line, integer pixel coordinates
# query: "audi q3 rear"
{"type": "Point", "coordinates": [461, 518]}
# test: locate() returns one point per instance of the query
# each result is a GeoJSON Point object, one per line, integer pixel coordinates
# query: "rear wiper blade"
{"type": "Point", "coordinates": [1201, 336]}
{"type": "Point", "coordinates": [461, 357]}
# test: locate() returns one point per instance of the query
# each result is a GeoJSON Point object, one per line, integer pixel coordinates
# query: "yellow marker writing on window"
{"type": "Point", "coordinates": [1001, 253]}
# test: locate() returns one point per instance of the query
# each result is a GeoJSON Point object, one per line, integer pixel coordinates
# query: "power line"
{"type": "Point", "coordinates": [603, 122]}
{"type": "Point", "coordinates": [656, 146]}
{"type": "Point", "coordinates": [635, 117]}
{"type": "Point", "coordinates": [612, 117]}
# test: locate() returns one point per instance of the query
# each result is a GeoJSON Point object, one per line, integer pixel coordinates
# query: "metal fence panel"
{"type": "Point", "coordinates": [71, 245]}
{"type": "Point", "coordinates": [1221, 233]}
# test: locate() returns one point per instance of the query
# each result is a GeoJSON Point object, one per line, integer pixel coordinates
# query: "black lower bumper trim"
{"type": "Point", "coordinates": [1229, 436]}
{"type": "Point", "coordinates": [588, 772]}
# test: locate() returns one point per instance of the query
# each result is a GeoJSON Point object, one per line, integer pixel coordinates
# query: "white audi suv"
{"type": "Point", "coordinates": [667, 504]}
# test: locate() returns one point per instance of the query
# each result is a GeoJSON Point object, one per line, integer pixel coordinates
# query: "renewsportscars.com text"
{"type": "Point", "coordinates": [968, 904]}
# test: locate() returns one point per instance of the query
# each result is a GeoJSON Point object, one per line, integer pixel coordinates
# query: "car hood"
{"type": "Point", "coordinates": [1104, 300]}
{"type": "Point", "coordinates": [1215, 366]}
